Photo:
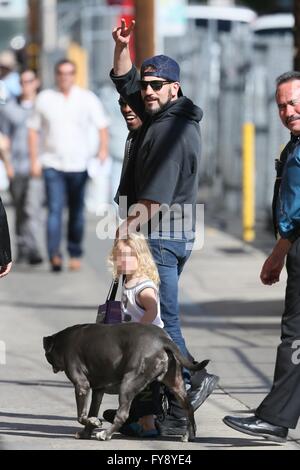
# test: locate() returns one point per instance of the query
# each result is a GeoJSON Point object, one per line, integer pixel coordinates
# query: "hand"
{"type": "Point", "coordinates": [122, 231]}
{"type": "Point", "coordinates": [271, 269]}
{"type": "Point", "coordinates": [130, 225]}
{"type": "Point", "coordinates": [102, 155]}
{"type": "Point", "coordinates": [36, 169]}
{"type": "Point", "coordinates": [4, 270]}
{"type": "Point", "coordinates": [122, 34]}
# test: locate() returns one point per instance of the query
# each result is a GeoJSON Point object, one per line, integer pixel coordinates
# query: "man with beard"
{"type": "Point", "coordinates": [160, 181]}
{"type": "Point", "coordinates": [280, 410]}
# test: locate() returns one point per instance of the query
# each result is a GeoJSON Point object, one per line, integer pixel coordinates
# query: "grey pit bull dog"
{"type": "Point", "coordinates": [118, 359]}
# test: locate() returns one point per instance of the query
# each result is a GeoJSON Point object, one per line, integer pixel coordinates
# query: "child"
{"type": "Point", "coordinates": [140, 303]}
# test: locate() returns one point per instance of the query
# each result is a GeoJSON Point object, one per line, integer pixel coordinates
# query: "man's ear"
{"type": "Point", "coordinates": [175, 89]}
{"type": "Point", "coordinates": [48, 343]}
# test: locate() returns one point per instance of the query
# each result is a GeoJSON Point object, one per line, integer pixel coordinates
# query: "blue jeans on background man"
{"type": "Point", "coordinates": [170, 257]}
{"type": "Point", "coordinates": [65, 188]}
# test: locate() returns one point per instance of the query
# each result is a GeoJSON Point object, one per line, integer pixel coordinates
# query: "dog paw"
{"type": "Point", "coordinates": [83, 435]}
{"type": "Point", "coordinates": [101, 436]}
{"type": "Point", "coordinates": [185, 438]}
{"type": "Point", "coordinates": [96, 422]}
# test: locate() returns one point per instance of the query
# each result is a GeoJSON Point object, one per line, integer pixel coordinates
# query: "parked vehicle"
{"type": "Point", "coordinates": [276, 24]}
{"type": "Point", "coordinates": [226, 17]}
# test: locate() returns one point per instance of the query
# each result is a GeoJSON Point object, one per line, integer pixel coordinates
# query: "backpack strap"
{"type": "Point", "coordinates": [114, 288]}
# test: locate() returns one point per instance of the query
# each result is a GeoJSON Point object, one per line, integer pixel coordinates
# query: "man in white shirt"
{"type": "Point", "coordinates": [60, 146]}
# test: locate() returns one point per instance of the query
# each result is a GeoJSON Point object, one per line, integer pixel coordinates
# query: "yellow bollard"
{"type": "Point", "coordinates": [248, 181]}
{"type": "Point", "coordinates": [78, 55]}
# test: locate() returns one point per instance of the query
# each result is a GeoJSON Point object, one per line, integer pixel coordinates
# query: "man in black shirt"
{"type": "Point", "coordinates": [160, 183]}
{"type": "Point", "coordinates": [134, 123]}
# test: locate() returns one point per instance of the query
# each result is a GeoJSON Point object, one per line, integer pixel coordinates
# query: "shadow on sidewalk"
{"type": "Point", "coordinates": [226, 314]}
{"type": "Point", "coordinates": [38, 430]}
{"type": "Point", "coordinates": [47, 306]}
{"type": "Point", "coordinates": [240, 328]}
{"type": "Point", "coordinates": [38, 383]}
{"type": "Point", "coordinates": [32, 416]}
{"type": "Point", "coordinates": [68, 432]}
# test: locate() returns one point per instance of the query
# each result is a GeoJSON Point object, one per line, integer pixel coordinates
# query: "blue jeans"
{"type": "Point", "coordinates": [170, 257]}
{"type": "Point", "coordinates": [65, 188]}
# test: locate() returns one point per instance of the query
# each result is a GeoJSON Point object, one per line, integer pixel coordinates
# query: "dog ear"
{"type": "Point", "coordinates": [48, 343]}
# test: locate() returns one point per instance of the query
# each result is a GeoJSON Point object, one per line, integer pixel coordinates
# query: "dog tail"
{"type": "Point", "coordinates": [194, 366]}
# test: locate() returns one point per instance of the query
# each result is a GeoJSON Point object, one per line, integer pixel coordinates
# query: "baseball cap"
{"type": "Point", "coordinates": [162, 66]}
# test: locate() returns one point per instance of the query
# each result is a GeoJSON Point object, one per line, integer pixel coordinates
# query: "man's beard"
{"type": "Point", "coordinates": [160, 107]}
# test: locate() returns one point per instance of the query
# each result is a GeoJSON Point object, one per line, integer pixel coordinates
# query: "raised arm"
{"type": "Point", "coordinates": [121, 35]}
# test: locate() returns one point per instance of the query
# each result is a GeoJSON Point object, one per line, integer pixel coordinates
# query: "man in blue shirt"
{"type": "Point", "coordinates": [27, 193]}
{"type": "Point", "coordinates": [280, 410]}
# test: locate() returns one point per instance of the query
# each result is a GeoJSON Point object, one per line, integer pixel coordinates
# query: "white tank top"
{"type": "Point", "coordinates": [131, 310]}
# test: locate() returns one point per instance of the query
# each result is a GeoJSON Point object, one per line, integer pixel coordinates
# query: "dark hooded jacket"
{"type": "Point", "coordinates": [5, 253]}
{"type": "Point", "coordinates": [164, 161]}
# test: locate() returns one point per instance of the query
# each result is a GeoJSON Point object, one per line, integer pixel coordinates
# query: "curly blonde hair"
{"type": "Point", "coordinates": [146, 263]}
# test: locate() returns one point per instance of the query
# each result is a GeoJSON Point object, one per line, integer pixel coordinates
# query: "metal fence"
{"type": "Point", "coordinates": [90, 24]}
{"type": "Point", "coordinates": [230, 75]}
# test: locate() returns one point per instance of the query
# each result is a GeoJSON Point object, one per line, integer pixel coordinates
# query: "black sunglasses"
{"type": "Point", "coordinates": [156, 85]}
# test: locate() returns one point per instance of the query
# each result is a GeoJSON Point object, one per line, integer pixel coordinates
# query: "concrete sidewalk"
{"type": "Point", "coordinates": [227, 316]}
